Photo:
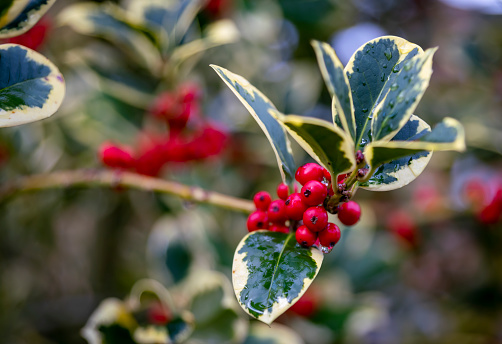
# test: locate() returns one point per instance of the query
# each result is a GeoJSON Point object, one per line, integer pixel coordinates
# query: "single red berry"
{"type": "Point", "coordinates": [295, 206]}
{"type": "Point", "coordinates": [341, 178]}
{"type": "Point", "coordinates": [158, 314]}
{"type": "Point", "coordinates": [314, 193]}
{"type": "Point", "coordinates": [315, 218]}
{"type": "Point", "coordinates": [310, 171]}
{"type": "Point", "coordinates": [277, 211]}
{"type": "Point", "coordinates": [276, 227]}
{"type": "Point", "coordinates": [282, 191]}
{"type": "Point", "coordinates": [257, 220]}
{"type": "Point", "coordinates": [349, 213]}
{"type": "Point", "coordinates": [305, 237]}
{"type": "Point", "coordinates": [262, 200]}
{"type": "Point", "coordinates": [307, 305]}
{"type": "Point", "coordinates": [402, 225]}
{"type": "Point", "coordinates": [330, 235]}
{"type": "Point", "coordinates": [115, 156]}
{"type": "Point", "coordinates": [326, 174]}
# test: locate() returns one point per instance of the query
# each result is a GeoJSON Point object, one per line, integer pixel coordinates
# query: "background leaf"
{"type": "Point", "coordinates": [10, 9]}
{"type": "Point", "coordinates": [338, 86]}
{"type": "Point", "coordinates": [271, 272]}
{"type": "Point", "coordinates": [29, 16]}
{"type": "Point", "coordinates": [260, 108]}
{"type": "Point", "coordinates": [31, 87]}
{"type": "Point", "coordinates": [325, 143]}
{"type": "Point", "coordinates": [370, 73]}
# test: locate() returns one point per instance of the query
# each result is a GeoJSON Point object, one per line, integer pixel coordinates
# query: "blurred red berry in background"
{"type": "Point", "coordinates": [115, 156]}
{"type": "Point", "coordinates": [403, 227]}
{"type": "Point", "coordinates": [33, 38]}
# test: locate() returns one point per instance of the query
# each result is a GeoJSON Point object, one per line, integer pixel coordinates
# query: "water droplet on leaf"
{"type": "Point", "coordinates": [394, 87]}
{"type": "Point", "coordinates": [388, 54]}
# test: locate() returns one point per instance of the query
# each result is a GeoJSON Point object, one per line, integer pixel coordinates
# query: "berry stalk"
{"type": "Point", "coordinates": [114, 179]}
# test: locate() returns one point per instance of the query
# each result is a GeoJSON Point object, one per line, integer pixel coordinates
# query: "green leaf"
{"type": "Point", "coordinates": [370, 72]}
{"type": "Point", "coordinates": [10, 9]}
{"type": "Point", "coordinates": [261, 108]}
{"type": "Point", "coordinates": [169, 20]}
{"type": "Point", "coordinates": [29, 16]}
{"type": "Point", "coordinates": [216, 34]}
{"type": "Point", "coordinates": [271, 272]}
{"type": "Point", "coordinates": [110, 22]}
{"type": "Point", "coordinates": [338, 85]}
{"type": "Point", "coordinates": [324, 142]}
{"type": "Point", "coordinates": [409, 156]}
{"type": "Point", "coordinates": [402, 97]}
{"type": "Point", "coordinates": [31, 87]}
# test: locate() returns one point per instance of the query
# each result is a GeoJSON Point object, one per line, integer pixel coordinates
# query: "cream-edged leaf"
{"type": "Point", "coordinates": [31, 87]}
{"type": "Point", "coordinates": [399, 162]}
{"type": "Point", "coordinates": [327, 144]}
{"type": "Point", "coordinates": [402, 96]}
{"type": "Point", "coordinates": [370, 72]}
{"type": "Point", "coordinates": [10, 9]}
{"type": "Point", "coordinates": [338, 86]}
{"type": "Point", "coordinates": [29, 16]}
{"type": "Point", "coordinates": [261, 108]}
{"type": "Point", "coordinates": [111, 22]}
{"type": "Point", "coordinates": [271, 272]}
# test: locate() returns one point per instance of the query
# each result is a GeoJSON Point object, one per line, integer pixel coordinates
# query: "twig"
{"type": "Point", "coordinates": [113, 179]}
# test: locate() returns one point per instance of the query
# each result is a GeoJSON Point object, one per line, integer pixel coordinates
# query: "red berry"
{"type": "Point", "coordinates": [326, 174]}
{"type": "Point", "coordinates": [115, 157]}
{"type": "Point", "coordinates": [262, 200]}
{"type": "Point", "coordinates": [276, 227]}
{"type": "Point", "coordinates": [295, 206]}
{"type": "Point", "coordinates": [257, 220]}
{"type": "Point", "coordinates": [314, 193]}
{"type": "Point", "coordinates": [315, 218]}
{"type": "Point", "coordinates": [330, 235]}
{"type": "Point", "coordinates": [277, 211]}
{"type": "Point", "coordinates": [282, 191]}
{"type": "Point", "coordinates": [349, 213]}
{"type": "Point", "coordinates": [402, 225]}
{"type": "Point", "coordinates": [341, 178]}
{"type": "Point", "coordinates": [159, 314]}
{"type": "Point", "coordinates": [310, 171]}
{"type": "Point", "coordinates": [305, 237]}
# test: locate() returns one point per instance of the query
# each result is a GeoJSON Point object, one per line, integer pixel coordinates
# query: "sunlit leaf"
{"type": "Point", "coordinates": [402, 161]}
{"type": "Point", "coordinates": [338, 86]}
{"type": "Point", "coordinates": [405, 91]}
{"type": "Point", "coordinates": [260, 108]}
{"type": "Point", "coordinates": [370, 72]}
{"type": "Point", "coordinates": [27, 18]}
{"type": "Point", "coordinates": [324, 142]}
{"type": "Point", "coordinates": [271, 272]}
{"type": "Point", "coordinates": [110, 22]}
{"type": "Point", "coordinates": [31, 87]}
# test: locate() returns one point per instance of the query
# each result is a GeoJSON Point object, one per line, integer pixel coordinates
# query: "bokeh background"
{"type": "Point", "coordinates": [424, 265]}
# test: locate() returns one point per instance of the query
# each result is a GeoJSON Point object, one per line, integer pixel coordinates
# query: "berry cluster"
{"type": "Point", "coordinates": [178, 145]}
{"type": "Point", "coordinates": [304, 212]}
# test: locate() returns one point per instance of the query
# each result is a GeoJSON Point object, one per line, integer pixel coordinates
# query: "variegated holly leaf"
{"type": "Point", "coordinates": [24, 20]}
{"type": "Point", "coordinates": [327, 144]}
{"type": "Point", "coordinates": [169, 20]}
{"type": "Point", "coordinates": [371, 72]}
{"type": "Point", "coordinates": [271, 272]}
{"type": "Point", "coordinates": [401, 160]}
{"type": "Point", "coordinates": [219, 33]}
{"type": "Point", "coordinates": [402, 96]}
{"type": "Point", "coordinates": [260, 108]}
{"type": "Point", "coordinates": [215, 310]}
{"type": "Point", "coordinates": [31, 87]}
{"type": "Point", "coordinates": [110, 22]}
{"type": "Point", "coordinates": [338, 85]}
{"type": "Point", "coordinates": [10, 9]}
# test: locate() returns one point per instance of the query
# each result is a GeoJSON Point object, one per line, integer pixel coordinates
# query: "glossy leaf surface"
{"type": "Point", "coordinates": [338, 85]}
{"type": "Point", "coordinates": [402, 96]}
{"type": "Point", "coordinates": [370, 72]}
{"type": "Point", "coordinates": [402, 171]}
{"type": "Point", "coordinates": [325, 143]}
{"type": "Point", "coordinates": [29, 16]}
{"type": "Point", "coordinates": [31, 87]}
{"type": "Point", "coordinates": [261, 108]}
{"type": "Point", "coordinates": [271, 272]}
{"type": "Point", "coordinates": [447, 135]}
